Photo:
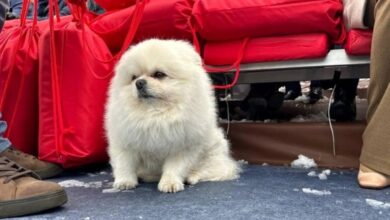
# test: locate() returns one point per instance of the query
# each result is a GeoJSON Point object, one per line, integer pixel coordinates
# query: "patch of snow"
{"type": "Point", "coordinates": [322, 176]}
{"type": "Point", "coordinates": [111, 190]}
{"type": "Point", "coordinates": [378, 204]}
{"type": "Point", "coordinates": [97, 184]}
{"type": "Point", "coordinates": [265, 164]}
{"type": "Point", "coordinates": [312, 173]}
{"type": "Point", "coordinates": [316, 192]}
{"type": "Point", "coordinates": [76, 183]}
{"type": "Point", "coordinates": [303, 162]}
{"type": "Point", "coordinates": [91, 174]}
{"type": "Point", "coordinates": [72, 183]}
{"type": "Point", "coordinates": [296, 190]}
{"type": "Point", "coordinates": [103, 173]}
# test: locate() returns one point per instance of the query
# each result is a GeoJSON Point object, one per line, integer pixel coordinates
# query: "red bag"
{"type": "Point", "coordinates": [358, 42]}
{"type": "Point", "coordinates": [162, 19]}
{"type": "Point", "coordinates": [115, 4]}
{"type": "Point", "coordinates": [19, 80]}
{"type": "Point", "coordinates": [231, 19]}
{"type": "Point", "coordinates": [73, 83]}
{"type": "Point", "coordinates": [267, 49]}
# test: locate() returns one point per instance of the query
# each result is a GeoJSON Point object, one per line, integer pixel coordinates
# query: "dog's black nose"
{"type": "Point", "coordinates": [140, 84]}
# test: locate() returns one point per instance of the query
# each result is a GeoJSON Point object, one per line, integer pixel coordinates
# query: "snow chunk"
{"type": "Point", "coordinates": [111, 190]}
{"type": "Point", "coordinates": [265, 164]}
{"type": "Point", "coordinates": [322, 176]}
{"type": "Point", "coordinates": [316, 192]}
{"type": "Point", "coordinates": [312, 173]}
{"type": "Point", "coordinates": [303, 162]}
{"type": "Point", "coordinates": [72, 183]}
{"type": "Point", "coordinates": [378, 204]}
{"type": "Point", "coordinates": [76, 183]}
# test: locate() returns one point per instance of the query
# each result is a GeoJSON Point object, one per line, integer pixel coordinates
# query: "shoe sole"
{"type": "Point", "coordinates": [32, 205]}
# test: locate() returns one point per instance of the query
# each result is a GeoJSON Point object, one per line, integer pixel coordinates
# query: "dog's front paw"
{"type": "Point", "coordinates": [125, 184]}
{"type": "Point", "coordinates": [170, 186]}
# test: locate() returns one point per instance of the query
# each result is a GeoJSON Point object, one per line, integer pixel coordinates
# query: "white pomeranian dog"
{"type": "Point", "coordinates": [161, 120]}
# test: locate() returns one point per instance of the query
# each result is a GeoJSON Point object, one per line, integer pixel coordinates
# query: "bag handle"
{"type": "Point", "coordinates": [212, 70]}
{"type": "Point", "coordinates": [235, 65]}
{"type": "Point", "coordinates": [57, 110]}
{"type": "Point", "coordinates": [136, 20]}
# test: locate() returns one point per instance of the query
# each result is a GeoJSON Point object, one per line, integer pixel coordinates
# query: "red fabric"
{"type": "Point", "coordinates": [267, 49]}
{"type": "Point", "coordinates": [163, 19]}
{"type": "Point", "coordinates": [358, 42]}
{"type": "Point", "coordinates": [115, 4]}
{"type": "Point", "coordinates": [18, 82]}
{"type": "Point", "coordinates": [12, 24]}
{"type": "Point", "coordinates": [73, 83]}
{"type": "Point", "coordinates": [231, 19]}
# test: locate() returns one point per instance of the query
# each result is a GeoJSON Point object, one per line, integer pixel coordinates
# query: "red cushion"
{"type": "Point", "coordinates": [163, 19]}
{"type": "Point", "coordinates": [267, 49]}
{"type": "Point", "coordinates": [358, 42]}
{"type": "Point", "coordinates": [115, 4]}
{"type": "Point", "coordinates": [232, 19]}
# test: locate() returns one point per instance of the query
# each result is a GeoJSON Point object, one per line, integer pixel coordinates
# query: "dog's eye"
{"type": "Point", "coordinates": [159, 75]}
{"type": "Point", "coordinates": [133, 77]}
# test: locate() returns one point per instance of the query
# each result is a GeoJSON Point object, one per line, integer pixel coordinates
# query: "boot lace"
{"type": "Point", "coordinates": [11, 170]}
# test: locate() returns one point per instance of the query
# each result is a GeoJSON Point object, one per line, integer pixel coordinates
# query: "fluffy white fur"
{"type": "Point", "coordinates": [172, 136]}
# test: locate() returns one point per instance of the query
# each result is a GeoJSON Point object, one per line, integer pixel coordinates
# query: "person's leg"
{"type": "Point", "coordinates": [293, 90]}
{"type": "Point", "coordinates": [344, 106]}
{"type": "Point", "coordinates": [3, 10]}
{"type": "Point", "coordinates": [375, 156]}
{"type": "Point", "coordinates": [4, 142]}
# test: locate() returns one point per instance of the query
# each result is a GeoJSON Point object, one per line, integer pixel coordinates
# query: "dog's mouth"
{"type": "Point", "coordinates": [144, 94]}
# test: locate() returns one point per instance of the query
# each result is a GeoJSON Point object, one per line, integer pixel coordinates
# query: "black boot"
{"type": "Point", "coordinates": [293, 90]}
{"type": "Point", "coordinates": [344, 106]}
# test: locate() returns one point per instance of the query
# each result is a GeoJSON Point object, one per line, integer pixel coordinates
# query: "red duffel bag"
{"type": "Point", "coordinates": [162, 19]}
{"type": "Point", "coordinates": [73, 82]}
{"type": "Point", "coordinates": [231, 19]}
{"type": "Point", "coordinates": [19, 81]}
{"type": "Point", "coordinates": [267, 49]}
{"type": "Point", "coordinates": [358, 42]}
